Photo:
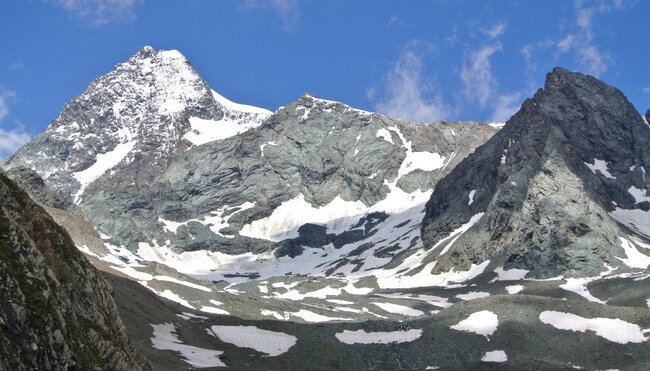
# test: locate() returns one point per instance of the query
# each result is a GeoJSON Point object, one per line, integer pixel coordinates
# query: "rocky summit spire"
{"type": "Point", "coordinates": [559, 191]}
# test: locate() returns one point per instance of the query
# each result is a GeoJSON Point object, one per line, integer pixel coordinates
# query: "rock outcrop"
{"type": "Point", "coordinates": [56, 310]}
{"type": "Point", "coordinates": [560, 190]}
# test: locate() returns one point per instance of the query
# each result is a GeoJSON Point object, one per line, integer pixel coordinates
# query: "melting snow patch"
{"type": "Point", "coordinates": [639, 195]}
{"type": "Point", "coordinates": [482, 323]}
{"type": "Point", "coordinates": [514, 289]}
{"type": "Point", "coordinates": [385, 134]}
{"type": "Point", "coordinates": [274, 314]}
{"type": "Point", "coordinates": [579, 286]}
{"type": "Point", "coordinates": [458, 232]}
{"type": "Point", "coordinates": [164, 338]}
{"type": "Point", "coordinates": [638, 220]}
{"type": "Point", "coordinates": [340, 302]}
{"type": "Point", "coordinates": [471, 196]}
{"type": "Point", "coordinates": [264, 341]}
{"type": "Point", "coordinates": [227, 103]}
{"type": "Point", "coordinates": [601, 166]}
{"type": "Point", "coordinates": [425, 161]}
{"type": "Point", "coordinates": [634, 258]}
{"type": "Point", "coordinates": [103, 163]}
{"type": "Point", "coordinates": [363, 337]}
{"type": "Point", "coordinates": [214, 310]}
{"type": "Point", "coordinates": [425, 279]}
{"type": "Point", "coordinates": [473, 295]}
{"type": "Point", "coordinates": [615, 330]}
{"type": "Point", "coordinates": [192, 315]}
{"type": "Point", "coordinates": [495, 356]}
{"type": "Point", "coordinates": [309, 316]}
{"type": "Point", "coordinates": [204, 131]}
{"type": "Point", "coordinates": [510, 274]}
{"type": "Point", "coordinates": [399, 309]}
{"type": "Point", "coordinates": [184, 283]}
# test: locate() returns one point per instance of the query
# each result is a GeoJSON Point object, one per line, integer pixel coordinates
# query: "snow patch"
{"type": "Point", "coordinates": [636, 219]}
{"type": "Point", "coordinates": [363, 337]}
{"type": "Point", "coordinates": [264, 341]}
{"type": "Point", "coordinates": [614, 330]}
{"type": "Point", "coordinates": [473, 295]}
{"type": "Point", "coordinates": [482, 323]}
{"type": "Point", "coordinates": [471, 196]}
{"type": "Point", "coordinates": [514, 289]}
{"type": "Point", "coordinates": [513, 274]}
{"type": "Point", "coordinates": [633, 257]}
{"type": "Point", "coordinates": [165, 338]}
{"type": "Point", "coordinates": [601, 166]}
{"type": "Point", "coordinates": [230, 105]}
{"type": "Point", "coordinates": [400, 309]}
{"type": "Point", "coordinates": [385, 134]}
{"type": "Point", "coordinates": [495, 356]}
{"type": "Point", "coordinates": [103, 163]}
{"type": "Point", "coordinates": [458, 232]}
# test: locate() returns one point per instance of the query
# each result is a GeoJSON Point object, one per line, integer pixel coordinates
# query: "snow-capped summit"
{"type": "Point", "coordinates": [145, 111]}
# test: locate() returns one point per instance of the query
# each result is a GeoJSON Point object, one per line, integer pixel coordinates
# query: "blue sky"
{"type": "Point", "coordinates": [418, 60]}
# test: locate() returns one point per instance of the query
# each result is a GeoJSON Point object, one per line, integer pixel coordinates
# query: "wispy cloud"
{"type": "Point", "coordinates": [496, 30]}
{"type": "Point", "coordinates": [12, 139]}
{"type": "Point", "coordinates": [5, 95]}
{"type": "Point", "coordinates": [394, 21]}
{"type": "Point", "coordinates": [407, 94]}
{"type": "Point", "coordinates": [646, 90]}
{"type": "Point", "coordinates": [581, 40]}
{"type": "Point", "coordinates": [505, 106]}
{"type": "Point", "coordinates": [100, 12]}
{"type": "Point", "coordinates": [17, 66]}
{"type": "Point", "coordinates": [288, 10]}
{"type": "Point", "coordinates": [476, 75]}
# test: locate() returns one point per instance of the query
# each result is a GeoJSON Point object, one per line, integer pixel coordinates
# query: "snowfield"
{"type": "Point", "coordinates": [164, 338]}
{"type": "Point", "coordinates": [363, 337]}
{"type": "Point", "coordinates": [482, 323]}
{"type": "Point", "coordinates": [612, 329]}
{"type": "Point", "coordinates": [264, 341]}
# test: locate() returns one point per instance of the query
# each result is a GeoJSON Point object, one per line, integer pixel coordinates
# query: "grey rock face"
{"type": "Point", "coordinates": [27, 178]}
{"type": "Point", "coordinates": [549, 184]}
{"type": "Point", "coordinates": [315, 149]}
{"type": "Point", "coordinates": [56, 311]}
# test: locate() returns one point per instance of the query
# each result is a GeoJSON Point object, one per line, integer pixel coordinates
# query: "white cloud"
{"type": "Point", "coordinates": [506, 105]}
{"type": "Point", "coordinates": [496, 30]}
{"type": "Point", "coordinates": [646, 90]}
{"type": "Point", "coordinates": [476, 74]}
{"type": "Point", "coordinates": [408, 95]}
{"type": "Point", "coordinates": [288, 10]}
{"type": "Point", "coordinates": [11, 140]}
{"type": "Point", "coordinates": [5, 95]}
{"type": "Point", "coordinates": [581, 41]}
{"type": "Point", "coordinates": [100, 12]}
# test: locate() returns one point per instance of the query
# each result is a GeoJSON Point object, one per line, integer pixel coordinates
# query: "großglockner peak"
{"type": "Point", "coordinates": [561, 190]}
{"type": "Point", "coordinates": [144, 112]}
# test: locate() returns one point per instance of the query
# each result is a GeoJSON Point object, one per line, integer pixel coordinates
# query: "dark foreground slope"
{"type": "Point", "coordinates": [56, 311]}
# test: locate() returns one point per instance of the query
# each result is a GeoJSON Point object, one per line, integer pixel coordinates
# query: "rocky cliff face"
{"type": "Point", "coordinates": [561, 190]}
{"type": "Point", "coordinates": [56, 311]}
